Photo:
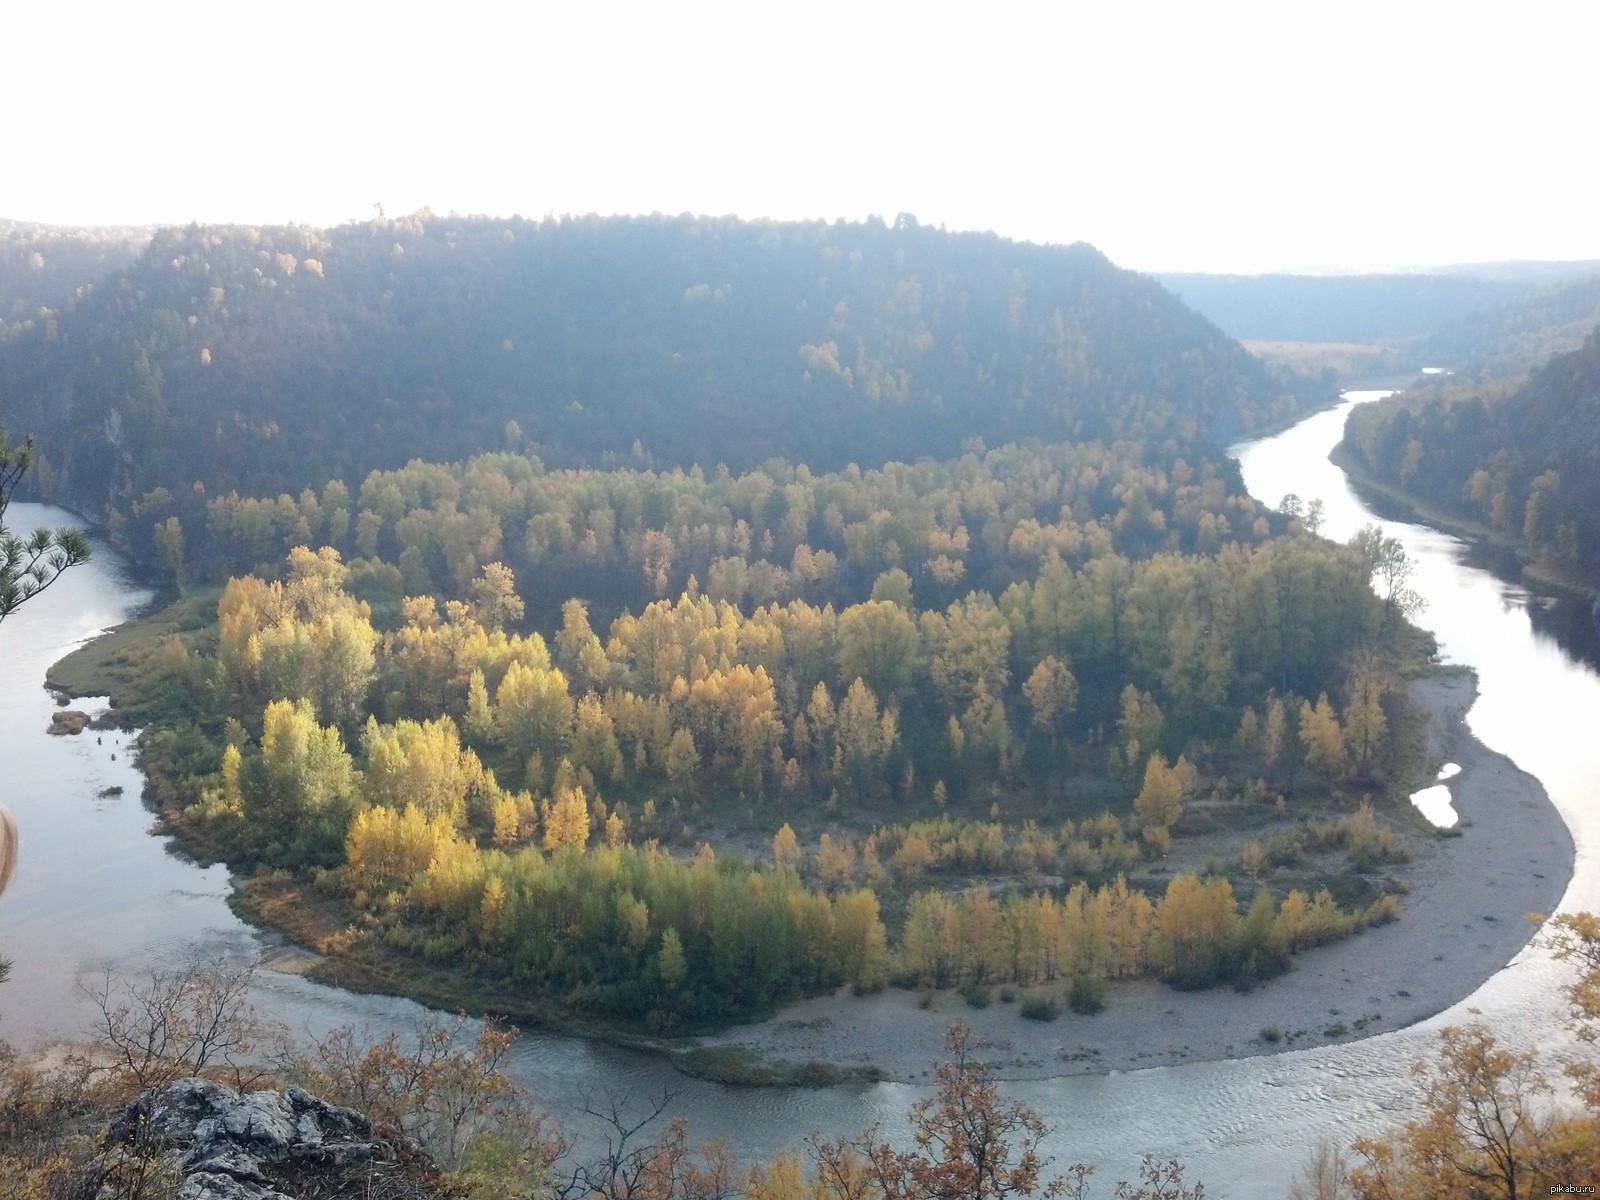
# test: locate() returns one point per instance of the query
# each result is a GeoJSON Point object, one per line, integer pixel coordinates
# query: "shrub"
{"type": "Point", "coordinates": [1088, 995]}
{"type": "Point", "coordinates": [1038, 1008]}
{"type": "Point", "coordinates": [1383, 910]}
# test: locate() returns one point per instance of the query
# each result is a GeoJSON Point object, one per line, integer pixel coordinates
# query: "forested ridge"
{"type": "Point", "coordinates": [1483, 322]}
{"type": "Point", "coordinates": [268, 359]}
{"type": "Point", "coordinates": [1521, 460]}
{"type": "Point", "coordinates": [1392, 309]}
{"type": "Point", "coordinates": [46, 268]}
{"type": "Point", "coordinates": [1515, 337]}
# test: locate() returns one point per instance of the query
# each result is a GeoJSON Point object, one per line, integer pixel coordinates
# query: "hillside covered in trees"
{"type": "Point", "coordinates": [1393, 309]}
{"type": "Point", "coordinates": [46, 268]}
{"type": "Point", "coordinates": [264, 360]}
{"type": "Point", "coordinates": [1489, 321]}
{"type": "Point", "coordinates": [1517, 337]}
{"type": "Point", "coordinates": [1522, 460]}
{"type": "Point", "coordinates": [1388, 309]}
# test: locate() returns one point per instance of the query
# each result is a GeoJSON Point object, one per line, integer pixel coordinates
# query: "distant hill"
{"type": "Point", "coordinates": [269, 359]}
{"type": "Point", "coordinates": [1516, 336]}
{"type": "Point", "coordinates": [1524, 461]}
{"type": "Point", "coordinates": [46, 268]}
{"type": "Point", "coordinates": [1386, 309]}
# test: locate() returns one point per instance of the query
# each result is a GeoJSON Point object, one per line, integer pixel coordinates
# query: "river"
{"type": "Point", "coordinates": [92, 888]}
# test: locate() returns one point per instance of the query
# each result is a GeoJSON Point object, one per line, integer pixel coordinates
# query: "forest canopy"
{"type": "Point", "coordinates": [593, 798]}
{"type": "Point", "coordinates": [1523, 461]}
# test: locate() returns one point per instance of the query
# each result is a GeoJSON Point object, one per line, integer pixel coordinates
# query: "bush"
{"type": "Point", "coordinates": [976, 994]}
{"type": "Point", "coordinates": [1272, 1034]}
{"type": "Point", "coordinates": [1038, 1008]}
{"type": "Point", "coordinates": [1383, 910]}
{"type": "Point", "coordinates": [1088, 995]}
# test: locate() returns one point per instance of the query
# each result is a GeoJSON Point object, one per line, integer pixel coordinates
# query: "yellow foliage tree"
{"type": "Point", "coordinates": [861, 944]}
{"type": "Point", "coordinates": [785, 848]}
{"type": "Point", "coordinates": [386, 849]}
{"type": "Point", "coordinates": [1194, 921]}
{"type": "Point", "coordinates": [1322, 738]}
{"type": "Point", "coordinates": [568, 822]}
{"type": "Point", "coordinates": [421, 763]}
{"type": "Point", "coordinates": [1052, 691]}
{"type": "Point", "coordinates": [836, 860]}
{"type": "Point", "coordinates": [1160, 801]}
{"type": "Point", "coordinates": [1364, 721]}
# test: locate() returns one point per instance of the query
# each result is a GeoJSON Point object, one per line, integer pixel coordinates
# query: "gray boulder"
{"type": "Point", "coordinates": [264, 1145]}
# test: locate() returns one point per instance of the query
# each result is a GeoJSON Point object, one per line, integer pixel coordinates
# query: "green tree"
{"type": "Point", "coordinates": [969, 647]}
{"type": "Point", "coordinates": [1391, 570]}
{"type": "Point", "coordinates": [594, 740]}
{"type": "Point", "coordinates": [170, 542]}
{"type": "Point", "coordinates": [670, 962]}
{"type": "Point", "coordinates": [307, 784]}
{"type": "Point", "coordinates": [878, 644]}
{"type": "Point", "coordinates": [30, 564]}
{"type": "Point", "coordinates": [533, 710]}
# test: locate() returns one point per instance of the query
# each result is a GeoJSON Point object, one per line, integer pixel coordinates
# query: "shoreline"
{"type": "Point", "coordinates": [1417, 510]}
{"type": "Point", "coordinates": [1463, 921]}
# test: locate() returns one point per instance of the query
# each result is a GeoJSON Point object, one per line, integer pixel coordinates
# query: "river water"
{"type": "Point", "coordinates": [93, 889]}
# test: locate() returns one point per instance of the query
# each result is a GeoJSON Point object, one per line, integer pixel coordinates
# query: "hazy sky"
{"type": "Point", "coordinates": [1205, 136]}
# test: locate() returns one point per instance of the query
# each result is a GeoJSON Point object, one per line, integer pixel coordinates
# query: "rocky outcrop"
{"type": "Point", "coordinates": [265, 1145]}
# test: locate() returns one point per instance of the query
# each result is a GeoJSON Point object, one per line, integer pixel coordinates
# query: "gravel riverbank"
{"type": "Point", "coordinates": [1464, 919]}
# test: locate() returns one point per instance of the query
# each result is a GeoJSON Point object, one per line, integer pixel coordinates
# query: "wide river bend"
{"type": "Point", "coordinates": [93, 888]}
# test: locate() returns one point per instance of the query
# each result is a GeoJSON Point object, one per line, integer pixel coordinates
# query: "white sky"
{"type": "Point", "coordinates": [1200, 135]}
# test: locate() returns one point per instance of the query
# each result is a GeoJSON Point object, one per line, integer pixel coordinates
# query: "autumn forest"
{"type": "Point", "coordinates": [709, 614]}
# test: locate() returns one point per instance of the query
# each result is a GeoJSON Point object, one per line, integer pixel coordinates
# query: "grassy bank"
{"type": "Point", "coordinates": [132, 662]}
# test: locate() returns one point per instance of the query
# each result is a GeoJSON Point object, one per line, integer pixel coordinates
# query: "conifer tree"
{"type": "Point", "coordinates": [30, 564]}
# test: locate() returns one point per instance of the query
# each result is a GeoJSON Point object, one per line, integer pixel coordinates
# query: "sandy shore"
{"type": "Point", "coordinates": [1464, 919]}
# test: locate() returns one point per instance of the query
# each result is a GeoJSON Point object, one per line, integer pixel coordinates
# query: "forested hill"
{"type": "Point", "coordinates": [1525, 463]}
{"type": "Point", "coordinates": [43, 268]}
{"type": "Point", "coordinates": [268, 359]}
{"type": "Point", "coordinates": [1440, 318]}
{"type": "Point", "coordinates": [1514, 338]}
{"type": "Point", "coordinates": [1389, 309]}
